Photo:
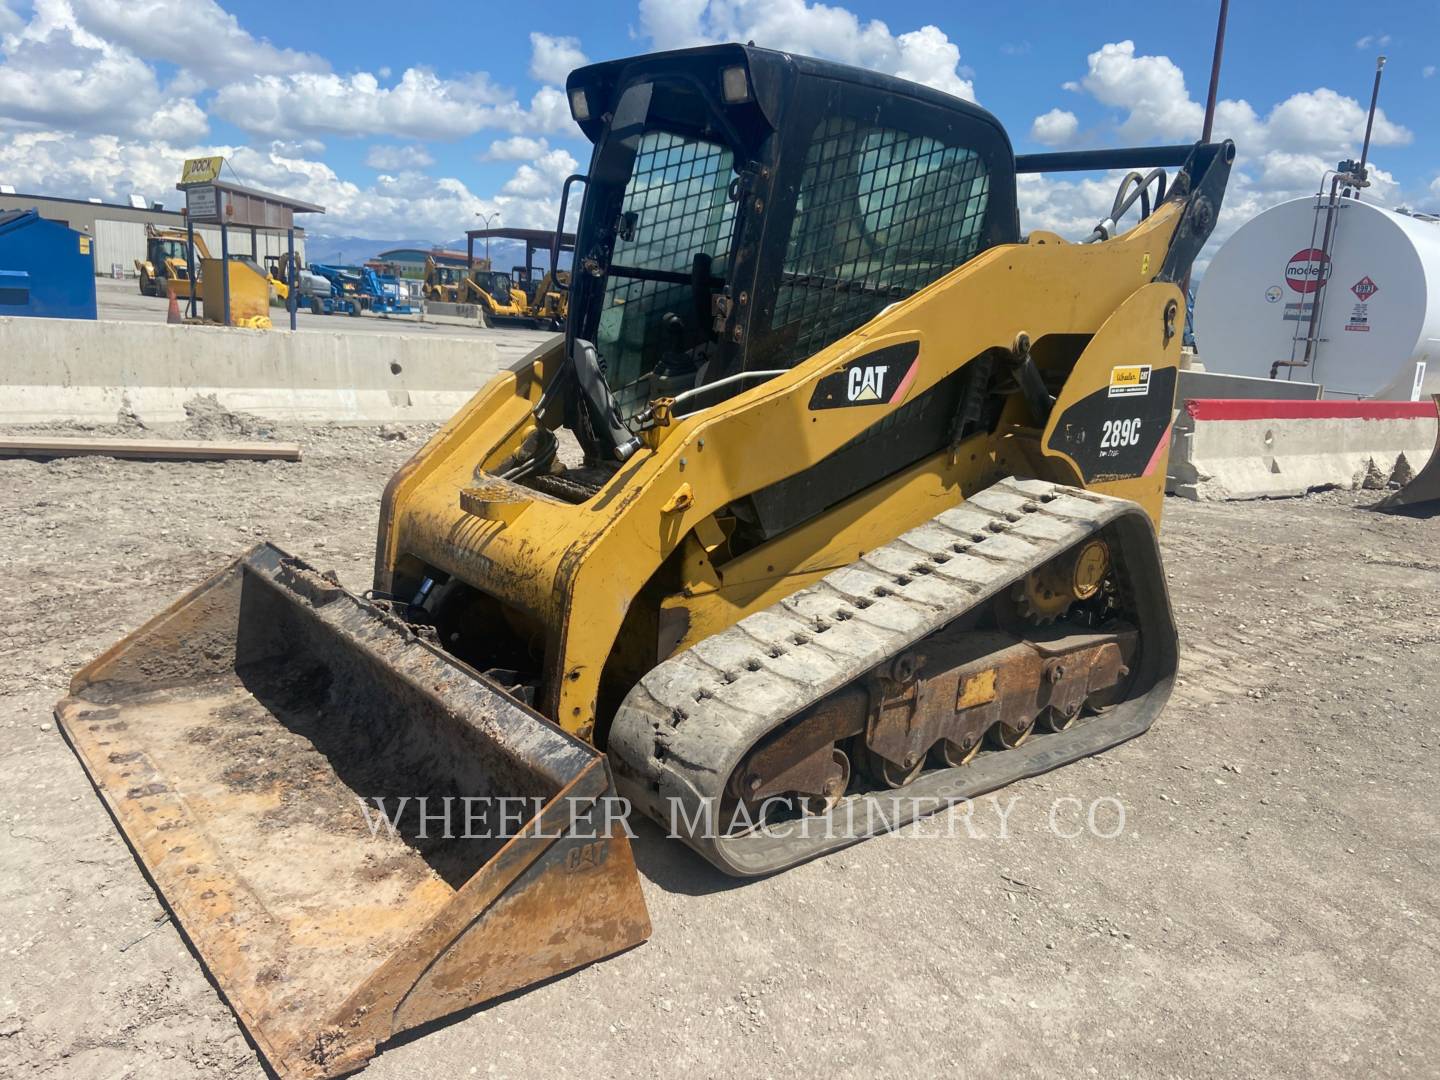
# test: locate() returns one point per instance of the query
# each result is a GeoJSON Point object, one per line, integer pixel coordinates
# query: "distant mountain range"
{"type": "Point", "coordinates": [353, 250]}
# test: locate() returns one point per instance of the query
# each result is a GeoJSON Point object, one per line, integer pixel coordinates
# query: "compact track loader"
{"type": "Point", "coordinates": [837, 490]}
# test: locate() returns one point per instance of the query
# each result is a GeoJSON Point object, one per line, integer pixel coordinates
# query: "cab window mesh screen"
{"type": "Point", "coordinates": [880, 215]}
{"type": "Point", "coordinates": [678, 194]}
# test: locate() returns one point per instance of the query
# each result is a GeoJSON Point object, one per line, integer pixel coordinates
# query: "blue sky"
{"type": "Point", "coordinates": [406, 128]}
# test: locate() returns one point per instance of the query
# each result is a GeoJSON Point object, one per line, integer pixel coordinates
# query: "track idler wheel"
{"type": "Point", "coordinates": [946, 754]}
{"type": "Point", "coordinates": [882, 771]}
{"type": "Point", "coordinates": [1004, 737]}
{"type": "Point", "coordinates": [1055, 719]}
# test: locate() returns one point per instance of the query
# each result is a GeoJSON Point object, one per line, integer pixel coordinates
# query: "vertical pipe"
{"type": "Point", "coordinates": [225, 267]}
{"type": "Point", "coordinates": [1312, 342]}
{"type": "Point", "coordinates": [1215, 73]}
{"type": "Point", "coordinates": [190, 263]}
{"type": "Point", "coordinates": [1370, 121]}
{"type": "Point", "coordinates": [294, 302]}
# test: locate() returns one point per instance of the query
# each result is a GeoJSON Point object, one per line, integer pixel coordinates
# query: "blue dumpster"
{"type": "Point", "coordinates": [46, 269]}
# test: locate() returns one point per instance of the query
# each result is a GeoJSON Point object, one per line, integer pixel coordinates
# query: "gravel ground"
{"type": "Point", "coordinates": [1268, 907]}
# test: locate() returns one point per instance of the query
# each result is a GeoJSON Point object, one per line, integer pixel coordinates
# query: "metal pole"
{"type": "Point", "coordinates": [225, 267]}
{"type": "Point", "coordinates": [1215, 73]}
{"type": "Point", "coordinates": [190, 263]}
{"type": "Point", "coordinates": [1370, 121]}
{"type": "Point", "coordinates": [294, 302]}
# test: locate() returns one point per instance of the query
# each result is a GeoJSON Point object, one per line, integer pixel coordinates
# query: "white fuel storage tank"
{"type": "Point", "coordinates": [1377, 333]}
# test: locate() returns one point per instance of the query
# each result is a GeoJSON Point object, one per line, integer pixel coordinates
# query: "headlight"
{"type": "Point", "coordinates": [734, 85]}
{"type": "Point", "coordinates": [579, 105]}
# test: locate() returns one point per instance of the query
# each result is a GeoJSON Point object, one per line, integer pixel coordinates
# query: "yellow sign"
{"type": "Point", "coordinates": [84, 245]}
{"type": "Point", "coordinates": [1131, 380]}
{"type": "Point", "coordinates": [1145, 264]}
{"type": "Point", "coordinates": [201, 170]}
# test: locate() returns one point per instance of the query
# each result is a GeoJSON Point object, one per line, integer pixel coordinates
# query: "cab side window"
{"type": "Point", "coordinates": [880, 214]}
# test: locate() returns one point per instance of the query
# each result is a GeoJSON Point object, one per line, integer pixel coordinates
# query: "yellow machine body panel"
{"type": "Point", "coordinates": [575, 570]}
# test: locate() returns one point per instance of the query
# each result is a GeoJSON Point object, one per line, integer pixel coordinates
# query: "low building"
{"type": "Point", "coordinates": [410, 262]}
{"type": "Point", "coordinates": [119, 231]}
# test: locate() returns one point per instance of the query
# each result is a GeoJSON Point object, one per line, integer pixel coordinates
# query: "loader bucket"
{"type": "Point", "coordinates": [234, 739]}
{"type": "Point", "coordinates": [1424, 486]}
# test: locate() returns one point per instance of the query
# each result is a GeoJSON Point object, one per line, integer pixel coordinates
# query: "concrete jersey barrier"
{"type": "Point", "coordinates": [1254, 449]}
{"type": "Point", "coordinates": [59, 369]}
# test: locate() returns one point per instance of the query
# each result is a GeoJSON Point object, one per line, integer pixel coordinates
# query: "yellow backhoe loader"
{"type": "Point", "coordinates": [165, 262]}
{"type": "Point", "coordinates": [549, 300]}
{"type": "Point", "coordinates": [838, 494]}
{"type": "Point", "coordinates": [442, 283]}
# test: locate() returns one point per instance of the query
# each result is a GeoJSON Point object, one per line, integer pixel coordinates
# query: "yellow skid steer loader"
{"type": "Point", "coordinates": [837, 489]}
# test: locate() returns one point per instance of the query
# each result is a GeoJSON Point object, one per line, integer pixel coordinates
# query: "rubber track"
{"type": "Point", "coordinates": [681, 732]}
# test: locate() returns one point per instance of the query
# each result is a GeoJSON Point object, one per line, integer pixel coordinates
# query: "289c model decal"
{"type": "Point", "coordinates": [1115, 432]}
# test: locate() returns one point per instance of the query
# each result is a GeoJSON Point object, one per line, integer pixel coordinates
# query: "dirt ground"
{"type": "Point", "coordinates": [1268, 907]}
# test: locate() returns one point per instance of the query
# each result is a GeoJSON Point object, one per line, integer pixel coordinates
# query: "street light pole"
{"type": "Point", "coordinates": [485, 220]}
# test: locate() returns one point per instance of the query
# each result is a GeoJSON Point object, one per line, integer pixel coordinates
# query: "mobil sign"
{"type": "Point", "coordinates": [1307, 270]}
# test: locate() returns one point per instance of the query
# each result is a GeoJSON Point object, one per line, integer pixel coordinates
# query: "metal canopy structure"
{"type": "Point", "coordinates": [213, 201]}
{"type": "Point", "coordinates": [223, 202]}
{"type": "Point", "coordinates": [533, 239]}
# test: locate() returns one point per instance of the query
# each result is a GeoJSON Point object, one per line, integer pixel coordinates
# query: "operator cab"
{"type": "Point", "coordinates": [743, 209]}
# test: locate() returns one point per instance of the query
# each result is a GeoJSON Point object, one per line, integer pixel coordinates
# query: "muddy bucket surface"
{"type": "Point", "coordinates": [356, 833]}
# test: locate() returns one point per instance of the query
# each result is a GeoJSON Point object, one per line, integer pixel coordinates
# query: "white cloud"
{"type": "Point", "coordinates": [1435, 186]}
{"type": "Point", "coordinates": [297, 147]}
{"type": "Point", "coordinates": [925, 55]}
{"type": "Point", "coordinates": [1280, 155]}
{"type": "Point", "coordinates": [553, 58]}
{"type": "Point", "coordinates": [1055, 128]}
{"type": "Point", "coordinates": [10, 20]}
{"type": "Point", "coordinates": [1428, 71]}
{"type": "Point", "coordinates": [395, 158]}
{"type": "Point", "coordinates": [1379, 41]}
{"type": "Point", "coordinates": [543, 178]}
{"type": "Point", "coordinates": [1158, 106]}
{"type": "Point", "coordinates": [675, 24]}
{"type": "Point", "coordinates": [1323, 120]}
{"type": "Point", "coordinates": [516, 148]}
{"type": "Point", "coordinates": [196, 35]}
{"type": "Point", "coordinates": [55, 73]}
{"type": "Point", "coordinates": [420, 105]}
{"type": "Point", "coordinates": [1152, 88]}
{"type": "Point", "coordinates": [406, 204]}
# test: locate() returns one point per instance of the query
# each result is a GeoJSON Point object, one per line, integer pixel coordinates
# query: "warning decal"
{"type": "Point", "coordinates": [1364, 288]}
{"type": "Point", "coordinates": [1130, 381]}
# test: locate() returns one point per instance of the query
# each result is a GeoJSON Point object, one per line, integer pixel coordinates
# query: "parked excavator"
{"type": "Point", "coordinates": [164, 262]}
{"type": "Point", "coordinates": [839, 493]}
